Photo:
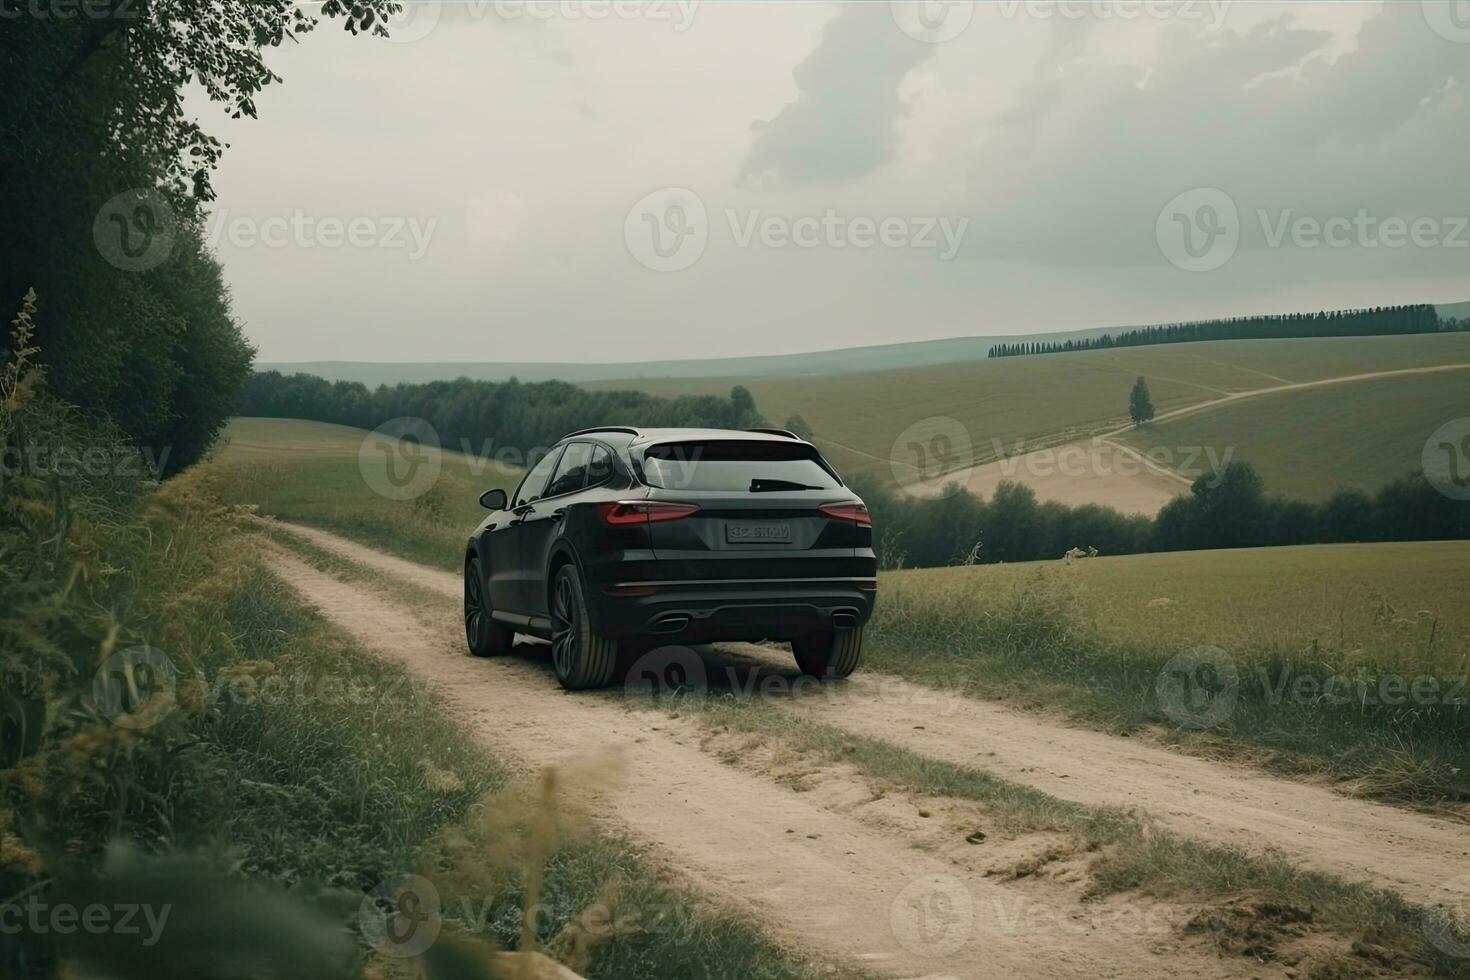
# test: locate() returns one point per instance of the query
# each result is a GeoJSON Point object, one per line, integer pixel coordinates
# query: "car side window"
{"type": "Point", "coordinates": [535, 481]}
{"type": "Point", "coordinates": [571, 472]}
{"type": "Point", "coordinates": [600, 468]}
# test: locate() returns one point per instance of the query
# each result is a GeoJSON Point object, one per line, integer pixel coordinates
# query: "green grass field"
{"type": "Point", "coordinates": [1311, 442]}
{"type": "Point", "coordinates": [1348, 660]}
{"type": "Point", "coordinates": [1055, 398]}
{"type": "Point", "coordinates": [316, 473]}
{"type": "Point", "coordinates": [1091, 638]}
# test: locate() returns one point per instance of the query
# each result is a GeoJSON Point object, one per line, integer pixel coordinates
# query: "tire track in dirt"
{"type": "Point", "coordinates": [1358, 840]}
{"type": "Point", "coordinates": [818, 878]}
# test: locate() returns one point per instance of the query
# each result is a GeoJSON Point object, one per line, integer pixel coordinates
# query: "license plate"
{"type": "Point", "coordinates": [757, 533]}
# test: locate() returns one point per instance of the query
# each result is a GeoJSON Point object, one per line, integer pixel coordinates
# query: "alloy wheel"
{"type": "Point", "coordinates": [564, 618]}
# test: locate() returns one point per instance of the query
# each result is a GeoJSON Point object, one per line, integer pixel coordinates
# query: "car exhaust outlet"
{"type": "Point", "coordinates": [671, 624]}
{"type": "Point", "coordinates": [845, 619]}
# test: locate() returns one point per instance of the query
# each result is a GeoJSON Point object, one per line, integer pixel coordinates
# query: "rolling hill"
{"type": "Point", "coordinates": [867, 422]}
{"type": "Point", "coordinates": [883, 357]}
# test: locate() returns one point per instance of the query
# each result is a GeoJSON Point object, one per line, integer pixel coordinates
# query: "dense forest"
{"type": "Point", "coordinates": [476, 415]}
{"type": "Point", "coordinates": [1381, 320]}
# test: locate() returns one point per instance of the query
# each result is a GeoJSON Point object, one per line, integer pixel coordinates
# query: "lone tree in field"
{"type": "Point", "coordinates": [1140, 405]}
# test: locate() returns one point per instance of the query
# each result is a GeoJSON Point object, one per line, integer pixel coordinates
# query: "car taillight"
{"type": "Point", "coordinates": [852, 513]}
{"type": "Point", "coordinates": [623, 512]}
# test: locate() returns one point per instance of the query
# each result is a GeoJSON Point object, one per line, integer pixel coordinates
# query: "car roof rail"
{"type": "Point", "coordinates": [777, 432]}
{"type": "Point", "coordinates": [603, 428]}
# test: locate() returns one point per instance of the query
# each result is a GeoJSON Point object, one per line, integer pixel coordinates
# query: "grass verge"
{"type": "Point", "coordinates": [1234, 656]}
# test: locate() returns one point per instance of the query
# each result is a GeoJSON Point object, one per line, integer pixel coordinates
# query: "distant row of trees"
{"type": "Point", "coordinates": [524, 416]}
{"type": "Point", "coordinates": [1380, 320]}
{"type": "Point", "coordinates": [1230, 509]}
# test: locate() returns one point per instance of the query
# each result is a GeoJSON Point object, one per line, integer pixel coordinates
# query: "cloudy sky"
{"type": "Point", "coordinates": [622, 181]}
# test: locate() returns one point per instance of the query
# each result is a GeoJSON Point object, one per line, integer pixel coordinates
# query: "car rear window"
{"type": "Point", "coordinates": [736, 466]}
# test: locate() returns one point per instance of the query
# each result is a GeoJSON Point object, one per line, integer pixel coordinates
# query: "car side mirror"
{"type": "Point", "coordinates": [494, 499]}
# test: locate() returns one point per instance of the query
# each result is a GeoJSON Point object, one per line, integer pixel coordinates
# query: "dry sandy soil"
{"type": "Point", "coordinates": [858, 876]}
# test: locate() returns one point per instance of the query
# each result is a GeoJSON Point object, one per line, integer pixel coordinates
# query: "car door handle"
{"type": "Point", "coordinates": [557, 515]}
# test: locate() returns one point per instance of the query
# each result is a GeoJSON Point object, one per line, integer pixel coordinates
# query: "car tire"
{"type": "Point", "coordinates": [581, 657]}
{"type": "Point", "coordinates": [830, 653]}
{"type": "Point", "coordinates": [486, 637]}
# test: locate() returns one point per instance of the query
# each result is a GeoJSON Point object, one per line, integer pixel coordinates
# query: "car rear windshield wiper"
{"type": "Point", "coordinates": [766, 486]}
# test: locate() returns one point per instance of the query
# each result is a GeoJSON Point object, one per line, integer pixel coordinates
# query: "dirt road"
{"type": "Point", "coordinates": [1103, 470]}
{"type": "Point", "coordinates": [835, 868]}
{"type": "Point", "coordinates": [822, 879]}
{"type": "Point", "coordinates": [1354, 839]}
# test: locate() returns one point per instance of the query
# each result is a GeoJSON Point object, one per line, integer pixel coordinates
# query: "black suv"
{"type": "Point", "coordinates": [628, 536]}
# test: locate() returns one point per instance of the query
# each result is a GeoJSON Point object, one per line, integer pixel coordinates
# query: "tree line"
{"type": "Point", "coordinates": [524, 416]}
{"type": "Point", "coordinates": [1380, 320]}
{"type": "Point", "coordinates": [107, 175]}
{"type": "Point", "coordinates": [1230, 509]}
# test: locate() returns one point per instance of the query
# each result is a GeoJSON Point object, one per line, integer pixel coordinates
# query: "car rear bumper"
{"type": "Point", "coordinates": [756, 609]}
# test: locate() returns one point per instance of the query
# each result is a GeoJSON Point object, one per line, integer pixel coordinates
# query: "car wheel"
{"type": "Point", "coordinates": [485, 636]}
{"type": "Point", "coordinates": [582, 658]}
{"type": "Point", "coordinates": [831, 653]}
